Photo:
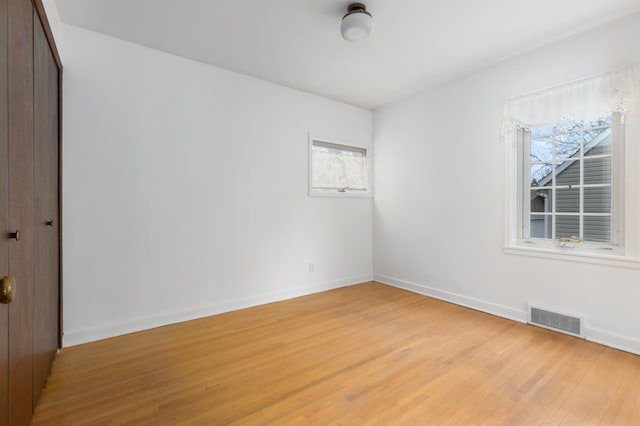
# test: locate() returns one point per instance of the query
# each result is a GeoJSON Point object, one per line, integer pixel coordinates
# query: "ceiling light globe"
{"type": "Point", "coordinates": [357, 26]}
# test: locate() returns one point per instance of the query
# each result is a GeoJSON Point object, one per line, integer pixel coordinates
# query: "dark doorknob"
{"type": "Point", "coordinates": [15, 235]}
{"type": "Point", "coordinates": [49, 222]}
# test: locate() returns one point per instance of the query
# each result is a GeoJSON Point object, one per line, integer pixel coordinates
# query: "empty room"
{"type": "Point", "coordinates": [319, 212]}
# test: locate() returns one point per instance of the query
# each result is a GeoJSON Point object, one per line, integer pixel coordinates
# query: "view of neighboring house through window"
{"type": "Point", "coordinates": [338, 169]}
{"type": "Point", "coordinates": [568, 182]}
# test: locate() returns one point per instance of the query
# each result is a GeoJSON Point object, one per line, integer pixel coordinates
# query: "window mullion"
{"type": "Point", "coordinates": [553, 183]}
{"type": "Point", "coordinates": [525, 187]}
{"type": "Point", "coordinates": [617, 182]}
{"type": "Point", "coordinates": [581, 207]}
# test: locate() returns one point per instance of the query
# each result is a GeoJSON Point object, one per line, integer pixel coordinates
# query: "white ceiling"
{"type": "Point", "coordinates": [417, 44]}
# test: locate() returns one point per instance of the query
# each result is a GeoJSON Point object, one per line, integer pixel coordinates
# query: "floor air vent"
{"type": "Point", "coordinates": [556, 321]}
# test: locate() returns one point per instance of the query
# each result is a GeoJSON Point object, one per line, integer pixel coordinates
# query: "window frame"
{"type": "Point", "coordinates": [522, 170]}
{"type": "Point", "coordinates": [315, 192]}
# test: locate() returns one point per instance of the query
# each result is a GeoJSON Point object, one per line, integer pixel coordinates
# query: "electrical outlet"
{"type": "Point", "coordinates": [312, 267]}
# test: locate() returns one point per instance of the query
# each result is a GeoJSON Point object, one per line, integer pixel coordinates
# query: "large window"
{"type": "Point", "coordinates": [338, 169]}
{"type": "Point", "coordinates": [571, 177]}
{"type": "Point", "coordinates": [572, 184]}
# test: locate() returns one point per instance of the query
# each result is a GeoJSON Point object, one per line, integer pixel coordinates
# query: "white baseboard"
{"type": "Point", "coordinates": [624, 343]}
{"type": "Point", "coordinates": [77, 337]}
{"type": "Point", "coordinates": [458, 299]}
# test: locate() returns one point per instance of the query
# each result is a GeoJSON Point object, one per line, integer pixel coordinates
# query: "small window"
{"type": "Point", "coordinates": [338, 170]}
{"type": "Point", "coordinates": [571, 186]}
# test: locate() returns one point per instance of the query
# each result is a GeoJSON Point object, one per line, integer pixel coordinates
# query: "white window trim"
{"type": "Point", "coordinates": [336, 194]}
{"type": "Point", "coordinates": [615, 91]}
{"type": "Point", "coordinates": [576, 256]}
{"type": "Point", "coordinates": [625, 255]}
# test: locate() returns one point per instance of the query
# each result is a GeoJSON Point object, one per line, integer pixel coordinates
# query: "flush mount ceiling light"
{"type": "Point", "coordinates": [357, 24]}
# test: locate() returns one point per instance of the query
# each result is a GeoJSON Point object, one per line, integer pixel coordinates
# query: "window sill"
{"type": "Point", "coordinates": [336, 194]}
{"type": "Point", "coordinates": [574, 255]}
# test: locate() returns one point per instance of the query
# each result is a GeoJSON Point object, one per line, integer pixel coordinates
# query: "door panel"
{"type": "Point", "coordinates": [20, 80]}
{"type": "Point", "coordinates": [4, 219]}
{"type": "Point", "coordinates": [45, 207]}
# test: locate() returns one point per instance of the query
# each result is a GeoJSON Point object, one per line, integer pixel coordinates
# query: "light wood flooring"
{"type": "Point", "coordinates": [366, 354]}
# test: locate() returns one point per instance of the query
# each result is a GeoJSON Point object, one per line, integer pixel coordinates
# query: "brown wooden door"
{"type": "Point", "coordinates": [29, 150]}
{"type": "Point", "coordinates": [46, 221]}
{"type": "Point", "coordinates": [4, 214]}
{"type": "Point", "coordinates": [21, 313]}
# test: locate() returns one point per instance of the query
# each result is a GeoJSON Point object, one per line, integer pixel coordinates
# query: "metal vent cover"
{"type": "Point", "coordinates": [555, 320]}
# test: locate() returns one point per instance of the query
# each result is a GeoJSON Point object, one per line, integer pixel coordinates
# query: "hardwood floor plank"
{"type": "Point", "coordinates": [366, 354]}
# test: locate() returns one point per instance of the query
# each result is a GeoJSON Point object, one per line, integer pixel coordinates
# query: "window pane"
{"type": "Point", "coordinates": [605, 121]}
{"type": "Point", "coordinates": [567, 227]}
{"type": "Point", "coordinates": [597, 229]}
{"type": "Point", "coordinates": [568, 145]}
{"type": "Point", "coordinates": [537, 133]}
{"type": "Point", "coordinates": [576, 158]}
{"type": "Point", "coordinates": [568, 173]}
{"type": "Point", "coordinates": [541, 149]}
{"type": "Point", "coordinates": [568, 125]}
{"type": "Point", "coordinates": [541, 200]}
{"type": "Point", "coordinates": [597, 200]}
{"type": "Point", "coordinates": [540, 175]}
{"type": "Point", "coordinates": [540, 226]}
{"type": "Point", "coordinates": [597, 142]}
{"type": "Point", "coordinates": [601, 148]}
{"type": "Point", "coordinates": [337, 166]}
{"type": "Point", "coordinates": [568, 200]}
{"type": "Point", "coordinates": [597, 170]}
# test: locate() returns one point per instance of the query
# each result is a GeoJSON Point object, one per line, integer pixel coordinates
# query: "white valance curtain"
{"type": "Point", "coordinates": [582, 100]}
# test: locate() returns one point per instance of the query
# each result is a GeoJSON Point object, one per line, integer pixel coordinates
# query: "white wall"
{"type": "Point", "coordinates": [161, 224]}
{"type": "Point", "coordinates": [439, 205]}
{"type": "Point", "coordinates": [185, 189]}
